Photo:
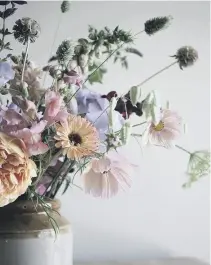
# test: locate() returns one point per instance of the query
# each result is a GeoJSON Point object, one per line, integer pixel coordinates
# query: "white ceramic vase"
{"type": "Point", "coordinates": [27, 237]}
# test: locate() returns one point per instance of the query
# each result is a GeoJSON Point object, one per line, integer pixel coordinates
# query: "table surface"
{"type": "Point", "coordinates": [174, 261]}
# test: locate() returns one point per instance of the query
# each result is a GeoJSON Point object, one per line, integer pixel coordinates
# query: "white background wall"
{"type": "Point", "coordinates": [157, 218]}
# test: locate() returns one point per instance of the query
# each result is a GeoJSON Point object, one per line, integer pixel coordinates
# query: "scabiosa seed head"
{"type": "Point", "coordinates": [186, 56]}
{"type": "Point", "coordinates": [26, 29]}
{"type": "Point", "coordinates": [154, 25]}
{"type": "Point", "coordinates": [65, 51]}
{"type": "Point", "coordinates": [65, 6]}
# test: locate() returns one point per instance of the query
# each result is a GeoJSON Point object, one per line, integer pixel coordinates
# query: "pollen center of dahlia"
{"type": "Point", "coordinates": [75, 138]}
{"type": "Point", "coordinates": [159, 126]}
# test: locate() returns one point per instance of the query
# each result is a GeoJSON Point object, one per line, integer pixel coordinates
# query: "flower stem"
{"type": "Point", "coordinates": [48, 193]}
{"type": "Point", "coordinates": [59, 184]}
{"type": "Point", "coordinates": [183, 149]}
{"type": "Point", "coordinates": [139, 124]}
{"type": "Point", "coordinates": [25, 58]}
{"type": "Point", "coordinates": [110, 55]}
{"type": "Point", "coordinates": [52, 45]}
{"type": "Point", "coordinates": [3, 30]}
{"type": "Point", "coordinates": [157, 73]}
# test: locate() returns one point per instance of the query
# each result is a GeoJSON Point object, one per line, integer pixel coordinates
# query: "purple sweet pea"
{"type": "Point", "coordinates": [6, 73]}
{"type": "Point", "coordinates": [89, 101]}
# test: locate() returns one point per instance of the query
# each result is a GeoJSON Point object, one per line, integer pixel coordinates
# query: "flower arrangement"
{"type": "Point", "coordinates": [50, 134]}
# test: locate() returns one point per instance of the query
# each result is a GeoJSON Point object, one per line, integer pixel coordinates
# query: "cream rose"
{"type": "Point", "coordinates": [16, 169]}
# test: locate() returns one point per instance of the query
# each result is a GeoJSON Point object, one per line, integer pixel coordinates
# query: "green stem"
{"type": "Point", "coordinates": [110, 55]}
{"type": "Point", "coordinates": [183, 149]}
{"type": "Point", "coordinates": [139, 124]}
{"type": "Point", "coordinates": [59, 184]}
{"type": "Point", "coordinates": [157, 73]}
{"type": "Point", "coordinates": [54, 181]}
{"type": "Point", "coordinates": [25, 58]}
{"type": "Point", "coordinates": [3, 29]}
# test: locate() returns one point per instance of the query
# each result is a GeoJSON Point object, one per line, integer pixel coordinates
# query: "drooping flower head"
{"type": "Point", "coordinates": [108, 175]}
{"type": "Point", "coordinates": [16, 169]}
{"type": "Point", "coordinates": [77, 137]}
{"type": "Point", "coordinates": [165, 132]}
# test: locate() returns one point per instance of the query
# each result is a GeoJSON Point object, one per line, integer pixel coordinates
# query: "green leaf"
{"type": "Point", "coordinates": [5, 32]}
{"type": "Point", "coordinates": [53, 58]}
{"type": "Point", "coordinates": [8, 12]}
{"type": "Point", "coordinates": [7, 46]}
{"type": "Point", "coordinates": [115, 59]}
{"type": "Point", "coordinates": [134, 51]}
{"type": "Point", "coordinates": [96, 76]}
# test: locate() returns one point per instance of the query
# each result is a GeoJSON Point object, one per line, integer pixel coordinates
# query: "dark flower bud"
{"type": "Point", "coordinates": [65, 51]}
{"type": "Point", "coordinates": [65, 6]}
{"type": "Point", "coordinates": [26, 29]}
{"type": "Point", "coordinates": [186, 56]}
{"type": "Point", "coordinates": [156, 24]}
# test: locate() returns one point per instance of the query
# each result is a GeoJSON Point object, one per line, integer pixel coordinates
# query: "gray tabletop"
{"type": "Point", "coordinates": [174, 261]}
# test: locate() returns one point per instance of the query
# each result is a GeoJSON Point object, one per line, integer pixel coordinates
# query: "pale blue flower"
{"type": "Point", "coordinates": [89, 101]}
{"type": "Point", "coordinates": [6, 73]}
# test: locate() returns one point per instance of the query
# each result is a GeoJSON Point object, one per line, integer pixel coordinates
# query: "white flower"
{"type": "Point", "coordinates": [108, 175]}
{"type": "Point", "coordinates": [165, 132]}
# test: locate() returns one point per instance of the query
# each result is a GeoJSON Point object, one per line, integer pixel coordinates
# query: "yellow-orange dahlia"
{"type": "Point", "coordinates": [16, 169]}
{"type": "Point", "coordinates": [77, 137]}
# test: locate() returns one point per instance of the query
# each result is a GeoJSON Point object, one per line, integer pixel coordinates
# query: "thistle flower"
{"type": "Point", "coordinates": [198, 166]}
{"type": "Point", "coordinates": [26, 29]}
{"type": "Point", "coordinates": [156, 24]}
{"type": "Point", "coordinates": [65, 51]}
{"type": "Point", "coordinates": [186, 56]}
{"type": "Point", "coordinates": [65, 6]}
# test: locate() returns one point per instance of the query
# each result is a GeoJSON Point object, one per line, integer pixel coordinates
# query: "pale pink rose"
{"type": "Point", "coordinates": [55, 110]}
{"type": "Point", "coordinates": [107, 176]}
{"type": "Point", "coordinates": [16, 169]}
{"type": "Point", "coordinates": [165, 132]}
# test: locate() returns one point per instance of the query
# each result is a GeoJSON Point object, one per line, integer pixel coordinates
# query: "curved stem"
{"type": "Point", "coordinates": [183, 149]}
{"type": "Point", "coordinates": [110, 55]}
{"type": "Point", "coordinates": [52, 45]}
{"type": "Point", "coordinates": [25, 58]}
{"type": "Point", "coordinates": [157, 73]}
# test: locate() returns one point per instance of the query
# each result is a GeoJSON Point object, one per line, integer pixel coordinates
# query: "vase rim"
{"type": "Point", "coordinates": [30, 206]}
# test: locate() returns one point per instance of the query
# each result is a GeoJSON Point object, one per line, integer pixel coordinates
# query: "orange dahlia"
{"type": "Point", "coordinates": [16, 169]}
{"type": "Point", "coordinates": [77, 137]}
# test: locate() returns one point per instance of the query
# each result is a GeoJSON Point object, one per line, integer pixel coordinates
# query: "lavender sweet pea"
{"type": "Point", "coordinates": [89, 101]}
{"type": "Point", "coordinates": [6, 73]}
